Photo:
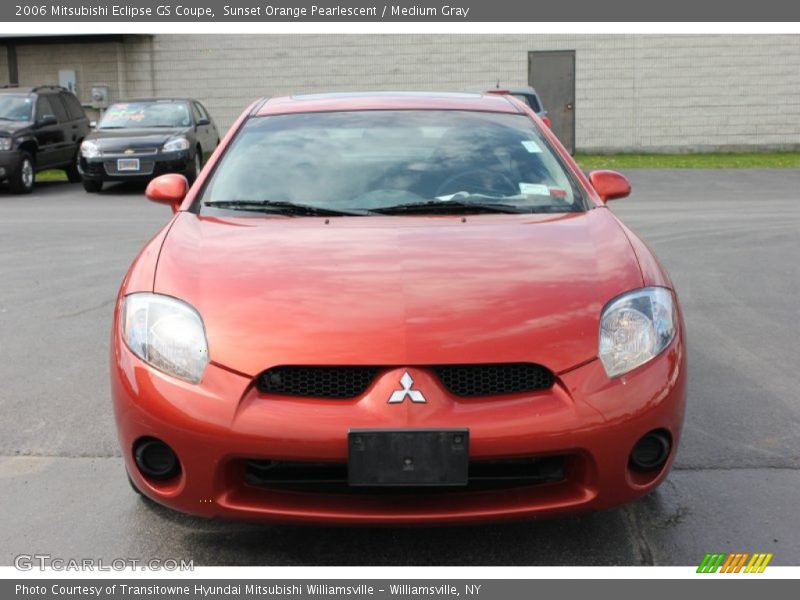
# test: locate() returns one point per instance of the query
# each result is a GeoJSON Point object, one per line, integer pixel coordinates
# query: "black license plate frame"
{"type": "Point", "coordinates": [408, 457]}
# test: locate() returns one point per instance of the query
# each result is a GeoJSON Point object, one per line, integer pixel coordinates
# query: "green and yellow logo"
{"type": "Point", "coordinates": [739, 562]}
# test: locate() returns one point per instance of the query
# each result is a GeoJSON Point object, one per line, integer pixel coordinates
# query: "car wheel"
{"type": "Point", "coordinates": [92, 185]}
{"type": "Point", "coordinates": [24, 178]}
{"type": "Point", "coordinates": [198, 163]}
{"type": "Point", "coordinates": [73, 174]}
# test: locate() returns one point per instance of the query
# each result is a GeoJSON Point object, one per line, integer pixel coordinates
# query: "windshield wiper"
{"type": "Point", "coordinates": [459, 205]}
{"type": "Point", "coordinates": [284, 207]}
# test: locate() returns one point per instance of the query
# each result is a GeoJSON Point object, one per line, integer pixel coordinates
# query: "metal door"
{"type": "Point", "coordinates": [552, 74]}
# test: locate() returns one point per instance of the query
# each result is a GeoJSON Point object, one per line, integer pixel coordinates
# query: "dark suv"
{"type": "Point", "coordinates": [40, 128]}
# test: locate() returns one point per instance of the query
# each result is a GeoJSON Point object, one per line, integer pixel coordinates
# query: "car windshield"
{"type": "Point", "coordinates": [137, 115]}
{"type": "Point", "coordinates": [373, 161]}
{"type": "Point", "coordinates": [15, 108]}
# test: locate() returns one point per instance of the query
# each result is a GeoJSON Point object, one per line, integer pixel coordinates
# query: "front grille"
{"type": "Point", "coordinates": [123, 152]}
{"type": "Point", "coordinates": [350, 382]}
{"type": "Point", "coordinates": [332, 477]}
{"type": "Point", "coordinates": [145, 168]}
{"type": "Point", "coordinates": [494, 379]}
{"type": "Point", "coordinates": [317, 382]}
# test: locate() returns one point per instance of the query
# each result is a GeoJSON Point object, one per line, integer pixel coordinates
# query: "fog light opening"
{"type": "Point", "coordinates": [651, 452]}
{"type": "Point", "coordinates": [155, 459]}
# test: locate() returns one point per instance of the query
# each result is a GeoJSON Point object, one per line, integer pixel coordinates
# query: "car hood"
{"type": "Point", "coordinates": [398, 291]}
{"type": "Point", "coordinates": [10, 127]}
{"type": "Point", "coordinates": [111, 140]}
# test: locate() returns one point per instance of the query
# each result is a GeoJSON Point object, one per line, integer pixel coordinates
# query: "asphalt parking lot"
{"type": "Point", "coordinates": [730, 239]}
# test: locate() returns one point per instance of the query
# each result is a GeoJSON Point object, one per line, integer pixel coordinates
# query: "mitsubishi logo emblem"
{"type": "Point", "coordinates": [400, 395]}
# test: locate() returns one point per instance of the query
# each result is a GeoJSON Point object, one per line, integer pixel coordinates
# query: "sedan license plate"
{"type": "Point", "coordinates": [408, 457]}
{"type": "Point", "coordinates": [127, 164]}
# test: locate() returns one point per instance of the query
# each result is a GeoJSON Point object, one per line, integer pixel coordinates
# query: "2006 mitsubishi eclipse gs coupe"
{"type": "Point", "coordinates": [395, 308]}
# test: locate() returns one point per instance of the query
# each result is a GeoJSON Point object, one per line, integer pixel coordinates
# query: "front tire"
{"type": "Point", "coordinates": [92, 185]}
{"type": "Point", "coordinates": [23, 180]}
{"type": "Point", "coordinates": [73, 174]}
{"type": "Point", "coordinates": [198, 163]}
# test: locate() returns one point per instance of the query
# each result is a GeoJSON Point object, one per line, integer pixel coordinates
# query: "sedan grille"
{"type": "Point", "coordinates": [494, 379]}
{"type": "Point", "coordinates": [145, 168]}
{"type": "Point", "coordinates": [332, 477]}
{"type": "Point", "coordinates": [317, 382]}
{"type": "Point", "coordinates": [352, 381]}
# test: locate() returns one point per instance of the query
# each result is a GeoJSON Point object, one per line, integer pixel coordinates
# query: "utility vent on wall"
{"type": "Point", "coordinates": [100, 96]}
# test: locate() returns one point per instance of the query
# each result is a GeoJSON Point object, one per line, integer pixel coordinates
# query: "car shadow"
{"type": "Point", "coordinates": [123, 188]}
{"type": "Point", "coordinates": [593, 539]}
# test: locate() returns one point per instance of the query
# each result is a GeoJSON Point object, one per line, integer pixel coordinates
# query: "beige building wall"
{"type": "Point", "coordinates": [633, 92]}
{"type": "Point", "coordinates": [3, 65]}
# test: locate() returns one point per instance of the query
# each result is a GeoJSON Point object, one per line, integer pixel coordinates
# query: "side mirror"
{"type": "Point", "coordinates": [168, 189]}
{"type": "Point", "coordinates": [610, 184]}
{"type": "Point", "coordinates": [203, 121]}
{"type": "Point", "coordinates": [47, 120]}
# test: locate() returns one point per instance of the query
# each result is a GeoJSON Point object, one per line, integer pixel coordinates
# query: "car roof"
{"type": "Point", "coordinates": [514, 90]}
{"type": "Point", "coordinates": [155, 100]}
{"type": "Point", "coordinates": [27, 89]}
{"type": "Point", "coordinates": [345, 101]}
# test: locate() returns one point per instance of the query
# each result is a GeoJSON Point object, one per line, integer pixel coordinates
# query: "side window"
{"type": "Point", "coordinates": [59, 110]}
{"type": "Point", "coordinates": [74, 108]}
{"type": "Point", "coordinates": [199, 111]}
{"type": "Point", "coordinates": [43, 107]}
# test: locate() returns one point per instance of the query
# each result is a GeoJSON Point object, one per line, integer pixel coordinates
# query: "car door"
{"type": "Point", "coordinates": [48, 134]}
{"type": "Point", "coordinates": [78, 122]}
{"type": "Point", "coordinates": [65, 150]}
{"type": "Point", "coordinates": [207, 132]}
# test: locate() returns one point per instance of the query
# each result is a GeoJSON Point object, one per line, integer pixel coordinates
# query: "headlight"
{"type": "Point", "coordinates": [5, 143]}
{"type": "Point", "coordinates": [635, 328]}
{"type": "Point", "coordinates": [90, 149]}
{"type": "Point", "coordinates": [165, 333]}
{"type": "Point", "coordinates": [176, 144]}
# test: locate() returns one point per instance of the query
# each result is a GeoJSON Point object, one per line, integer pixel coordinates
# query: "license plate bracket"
{"type": "Point", "coordinates": [408, 457]}
{"type": "Point", "coordinates": [128, 164]}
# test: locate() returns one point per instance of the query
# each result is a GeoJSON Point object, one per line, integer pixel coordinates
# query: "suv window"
{"type": "Point", "coordinates": [74, 107]}
{"type": "Point", "coordinates": [59, 110]}
{"type": "Point", "coordinates": [43, 107]}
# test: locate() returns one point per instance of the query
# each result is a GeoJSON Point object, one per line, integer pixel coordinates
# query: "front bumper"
{"type": "Point", "coordinates": [104, 168]}
{"type": "Point", "coordinates": [216, 426]}
{"type": "Point", "coordinates": [9, 163]}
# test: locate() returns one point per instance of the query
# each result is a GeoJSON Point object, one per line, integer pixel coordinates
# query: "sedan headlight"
{"type": "Point", "coordinates": [166, 333]}
{"type": "Point", "coordinates": [635, 328]}
{"type": "Point", "coordinates": [90, 149]}
{"type": "Point", "coordinates": [5, 143]}
{"type": "Point", "coordinates": [176, 144]}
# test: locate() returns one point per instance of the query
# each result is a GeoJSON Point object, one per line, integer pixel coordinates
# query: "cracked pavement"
{"type": "Point", "coordinates": [730, 240]}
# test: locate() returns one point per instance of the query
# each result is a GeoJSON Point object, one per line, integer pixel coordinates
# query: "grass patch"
{"type": "Point", "coordinates": [51, 175]}
{"type": "Point", "coordinates": [750, 160]}
{"type": "Point", "coordinates": [592, 162]}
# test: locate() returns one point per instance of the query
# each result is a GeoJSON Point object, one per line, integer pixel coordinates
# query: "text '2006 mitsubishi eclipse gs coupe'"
{"type": "Point", "coordinates": [395, 308]}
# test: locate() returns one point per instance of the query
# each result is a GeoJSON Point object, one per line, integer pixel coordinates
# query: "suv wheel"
{"type": "Point", "coordinates": [73, 174]}
{"type": "Point", "coordinates": [24, 178]}
{"type": "Point", "coordinates": [92, 185]}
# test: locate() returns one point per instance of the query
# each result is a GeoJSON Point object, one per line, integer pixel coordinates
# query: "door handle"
{"type": "Point", "coordinates": [569, 106]}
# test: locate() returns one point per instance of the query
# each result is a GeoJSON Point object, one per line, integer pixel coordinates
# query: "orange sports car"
{"type": "Point", "coordinates": [395, 308]}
